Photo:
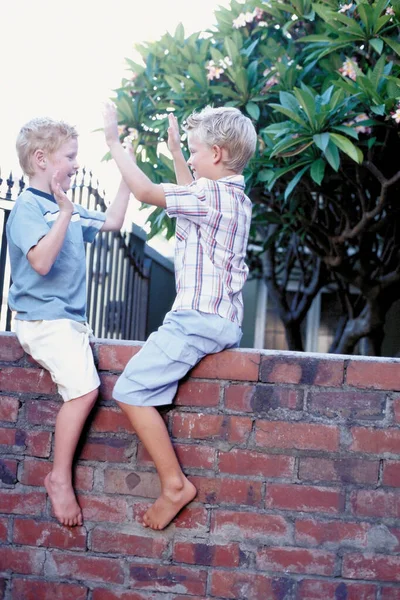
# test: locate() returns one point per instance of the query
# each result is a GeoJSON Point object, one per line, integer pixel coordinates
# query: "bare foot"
{"type": "Point", "coordinates": [167, 506]}
{"type": "Point", "coordinates": [63, 500]}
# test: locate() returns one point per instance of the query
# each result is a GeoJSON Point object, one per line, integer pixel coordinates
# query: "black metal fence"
{"type": "Point", "coordinates": [122, 272]}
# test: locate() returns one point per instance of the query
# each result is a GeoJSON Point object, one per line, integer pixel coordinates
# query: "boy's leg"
{"type": "Point", "coordinates": [176, 489]}
{"type": "Point", "coordinates": [69, 424]}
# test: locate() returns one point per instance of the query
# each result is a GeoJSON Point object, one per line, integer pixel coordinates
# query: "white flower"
{"type": "Point", "coordinates": [348, 69]}
{"type": "Point", "coordinates": [396, 115]}
{"type": "Point", "coordinates": [225, 62]}
{"type": "Point", "coordinates": [243, 19]}
{"type": "Point", "coordinates": [214, 72]}
{"type": "Point", "coordinates": [345, 7]}
{"type": "Point", "coordinates": [389, 11]}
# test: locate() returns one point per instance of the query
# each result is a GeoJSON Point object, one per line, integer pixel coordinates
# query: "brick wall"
{"type": "Point", "coordinates": [297, 462]}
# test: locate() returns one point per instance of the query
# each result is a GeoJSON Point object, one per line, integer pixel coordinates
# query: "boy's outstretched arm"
{"type": "Point", "coordinates": [139, 184]}
{"type": "Point", "coordinates": [182, 171]}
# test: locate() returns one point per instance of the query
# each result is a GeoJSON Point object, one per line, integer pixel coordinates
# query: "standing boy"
{"type": "Point", "coordinates": [46, 234]}
{"type": "Point", "coordinates": [212, 225]}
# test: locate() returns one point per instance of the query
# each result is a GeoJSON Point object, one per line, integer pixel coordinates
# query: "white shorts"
{"type": "Point", "coordinates": [62, 347]}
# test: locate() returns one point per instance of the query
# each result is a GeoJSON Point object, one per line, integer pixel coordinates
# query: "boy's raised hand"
{"type": "Point", "coordinates": [174, 138]}
{"type": "Point", "coordinates": [64, 203]}
{"type": "Point", "coordinates": [110, 123]}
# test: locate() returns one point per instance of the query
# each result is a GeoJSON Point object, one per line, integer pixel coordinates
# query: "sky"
{"type": "Point", "coordinates": [63, 60]}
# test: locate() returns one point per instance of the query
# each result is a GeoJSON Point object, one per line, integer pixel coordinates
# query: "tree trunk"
{"type": "Point", "coordinates": [293, 336]}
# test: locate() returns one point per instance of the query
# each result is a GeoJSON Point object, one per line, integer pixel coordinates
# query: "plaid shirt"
{"type": "Point", "coordinates": [212, 228]}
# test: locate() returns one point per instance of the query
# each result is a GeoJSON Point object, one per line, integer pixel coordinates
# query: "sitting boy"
{"type": "Point", "coordinates": [46, 234]}
{"type": "Point", "coordinates": [212, 226]}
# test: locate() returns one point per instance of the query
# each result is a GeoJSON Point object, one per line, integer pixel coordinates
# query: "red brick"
{"type": "Point", "coordinates": [375, 441]}
{"type": "Point", "coordinates": [301, 369]}
{"type": "Point", "coordinates": [316, 533]}
{"type": "Point", "coordinates": [234, 585]}
{"type": "Point", "coordinates": [8, 437]}
{"type": "Point", "coordinates": [325, 590]}
{"type": "Point", "coordinates": [35, 471]}
{"type": "Point", "coordinates": [110, 449]}
{"type": "Point", "coordinates": [347, 404]}
{"type": "Point", "coordinates": [38, 443]}
{"type": "Point", "coordinates": [48, 534]}
{"type": "Point", "coordinates": [296, 560]}
{"type": "Point", "coordinates": [239, 397]}
{"type": "Point", "coordinates": [85, 568]}
{"type": "Point", "coordinates": [391, 473]}
{"type": "Point", "coordinates": [103, 594]}
{"type": "Point", "coordinates": [304, 498]}
{"type": "Point", "coordinates": [346, 470]}
{"type": "Point", "coordinates": [28, 561]}
{"type": "Point", "coordinates": [10, 348]}
{"type": "Point", "coordinates": [103, 508]}
{"type": "Point", "coordinates": [34, 381]}
{"type": "Point", "coordinates": [245, 462]}
{"type": "Point", "coordinates": [112, 420]}
{"type": "Point", "coordinates": [390, 593]}
{"type": "Point", "coordinates": [115, 356]}
{"type": "Point", "coordinates": [8, 471]}
{"type": "Point", "coordinates": [3, 529]}
{"type": "Point", "coordinates": [376, 503]}
{"type": "Point", "coordinates": [199, 426]}
{"type": "Point", "coordinates": [270, 397]}
{"type": "Point", "coordinates": [238, 526]}
{"type": "Point", "coordinates": [396, 410]}
{"type": "Point", "coordinates": [371, 566]}
{"type": "Point", "coordinates": [9, 407]}
{"type": "Point", "coordinates": [121, 542]}
{"type": "Point", "coordinates": [228, 491]}
{"type": "Point", "coordinates": [194, 518]}
{"type": "Point", "coordinates": [189, 456]}
{"type": "Point", "coordinates": [302, 436]}
{"type": "Point", "coordinates": [216, 555]}
{"type": "Point", "coordinates": [35, 443]}
{"type": "Point", "coordinates": [28, 589]}
{"type": "Point", "coordinates": [42, 412]}
{"type": "Point", "coordinates": [168, 578]}
{"type": "Point", "coordinates": [197, 393]}
{"type": "Point", "coordinates": [28, 503]}
{"type": "Point", "coordinates": [138, 483]}
{"type": "Point", "coordinates": [378, 375]}
{"type": "Point", "coordinates": [235, 365]}
{"type": "Point", "coordinates": [107, 383]}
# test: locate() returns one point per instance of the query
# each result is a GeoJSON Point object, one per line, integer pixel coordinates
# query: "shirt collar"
{"type": "Point", "coordinates": [236, 180]}
{"type": "Point", "coordinates": [40, 193]}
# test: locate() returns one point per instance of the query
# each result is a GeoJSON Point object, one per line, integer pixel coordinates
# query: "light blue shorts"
{"type": "Point", "coordinates": [151, 377]}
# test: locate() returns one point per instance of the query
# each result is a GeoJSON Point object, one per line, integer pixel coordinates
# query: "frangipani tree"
{"type": "Point", "coordinates": [321, 82]}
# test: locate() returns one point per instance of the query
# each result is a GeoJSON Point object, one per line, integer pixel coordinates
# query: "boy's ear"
{"type": "Point", "coordinates": [39, 158]}
{"type": "Point", "coordinates": [217, 153]}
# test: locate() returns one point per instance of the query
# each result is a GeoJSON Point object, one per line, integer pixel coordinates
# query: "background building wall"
{"type": "Point", "coordinates": [297, 462]}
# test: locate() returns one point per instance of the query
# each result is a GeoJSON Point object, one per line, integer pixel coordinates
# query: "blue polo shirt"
{"type": "Point", "coordinates": [61, 294]}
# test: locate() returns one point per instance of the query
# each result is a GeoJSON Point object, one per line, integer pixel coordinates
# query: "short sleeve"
{"type": "Point", "coordinates": [91, 222]}
{"type": "Point", "coordinates": [27, 226]}
{"type": "Point", "coordinates": [188, 201]}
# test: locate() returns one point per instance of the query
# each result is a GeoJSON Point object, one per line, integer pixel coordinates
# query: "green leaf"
{"type": "Point", "coordinates": [241, 80]}
{"type": "Point", "coordinates": [180, 33]}
{"type": "Point", "coordinates": [232, 49]}
{"type": "Point", "coordinates": [347, 130]}
{"type": "Point", "coordinates": [347, 147]}
{"type": "Point", "coordinates": [393, 45]}
{"type": "Point", "coordinates": [321, 140]}
{"type": "Point", "coordinates": [318, 170]}
{"type": "Point", "coordinates": [290, 114]}
{"type": "Point", "coordinates": [332, 156]}
{"type": "Point", "coordinates": [377, 45]}
{"type": "Point", "coordinates": [378, 110]}
{"type": "Point", "coordinates": [197, 74]}
{"type": "Point", "coordinates": [292, 184]}
{"type": "Point", "coordinates": [253, 110]}
{"type": "Point", "coordinates": [265, 175]}
{"type": "Point", "coordinates": [173, 83]}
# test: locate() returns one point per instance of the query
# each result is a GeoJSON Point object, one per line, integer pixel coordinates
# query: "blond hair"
{"type": "Point", "coordinates": [228, 128]}
{"type": "Point", "coordinates": [41, 133]}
